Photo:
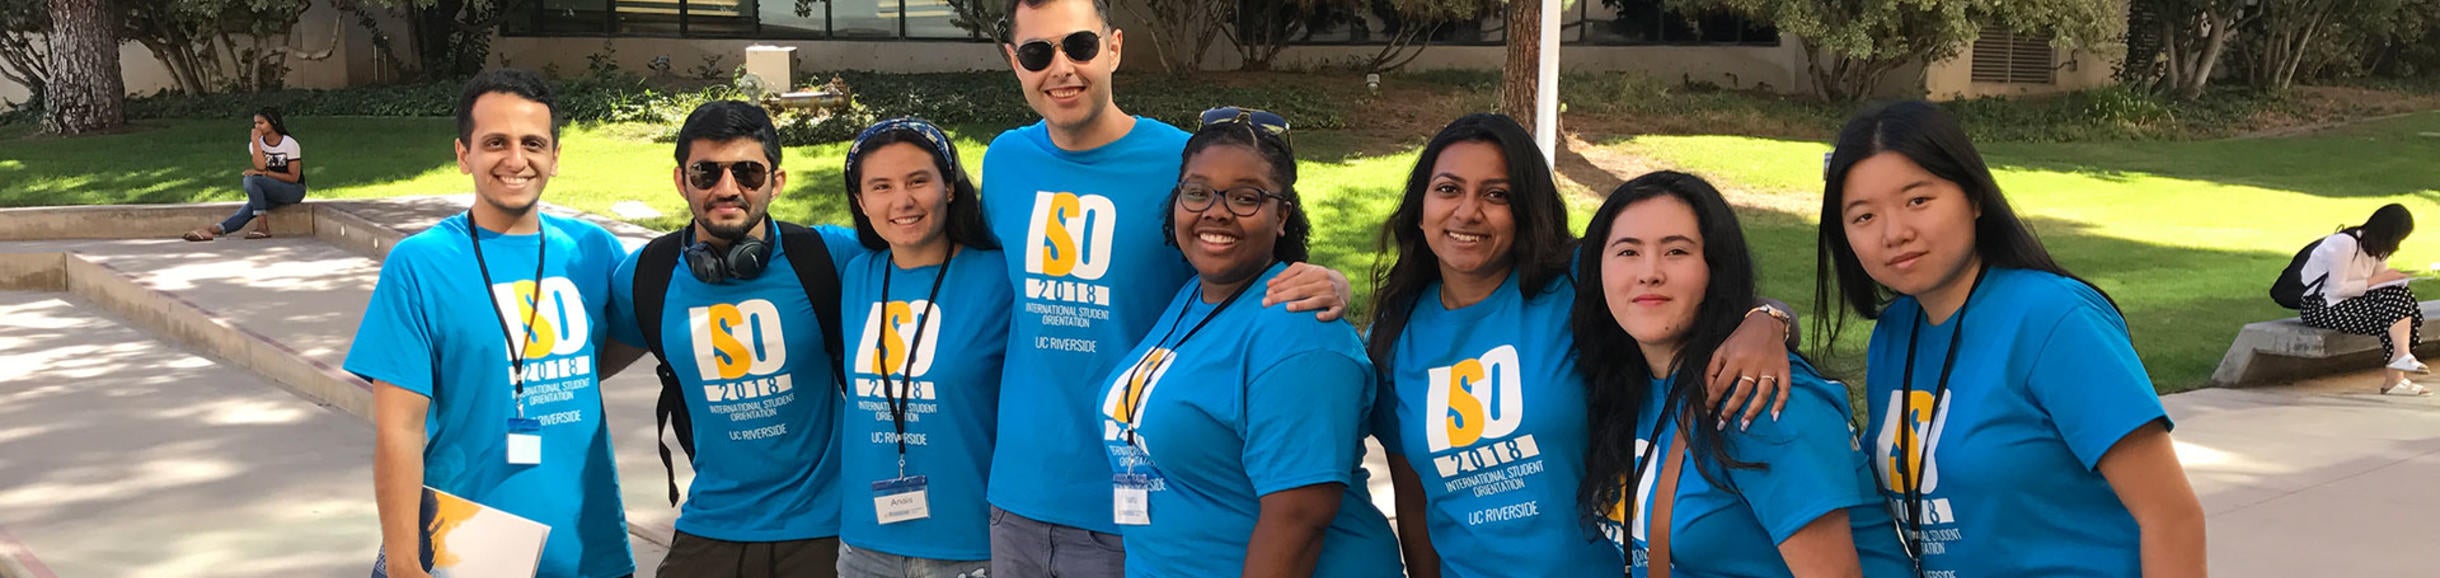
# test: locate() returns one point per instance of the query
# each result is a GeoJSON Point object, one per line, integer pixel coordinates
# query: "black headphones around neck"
{"type": "Point", "coordinates": [744, 259]}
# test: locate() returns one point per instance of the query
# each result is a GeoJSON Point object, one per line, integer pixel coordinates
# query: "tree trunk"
{"type": "Point", "coordinates": [1518, 79]}
{"type": "Point", "coordinates": [86, 93]}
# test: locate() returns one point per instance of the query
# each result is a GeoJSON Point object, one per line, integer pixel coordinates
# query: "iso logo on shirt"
{"type": "Point", "coordinates": [560, 325]}
{"type": "Point", "coordinates": [1068, 240]}
{"type": "Point", "coordinates": [1474, 401]}
{"type": "Point", "coordinates": [735, 341]}
{"type": "Point", "coordinates": [1134, 386]}
{"type": "Point", "coordinates": [891, 348]}
{"type": "Point", "coordinates": [1911, 456]}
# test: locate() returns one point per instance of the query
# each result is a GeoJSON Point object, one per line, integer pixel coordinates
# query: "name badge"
{"type": "Point", "coordinates": [901, 499]}
{"type": "Point", "coordinates": [1131, 499]}
{"type": "Point", "coordinates": [524, 442]}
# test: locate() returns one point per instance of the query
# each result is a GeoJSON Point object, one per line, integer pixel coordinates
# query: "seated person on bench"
{"type": "Point", "coordinates": [277, 179]}
{"type": "Point", "coordinates": [2358, 293]}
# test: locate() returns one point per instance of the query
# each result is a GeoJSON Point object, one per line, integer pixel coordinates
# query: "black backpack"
{"type": "Point", "coordinates": [659, 261]}
{"type": "Point", "coordinates": [2290, 290]}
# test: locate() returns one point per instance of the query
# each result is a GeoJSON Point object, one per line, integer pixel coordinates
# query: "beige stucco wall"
{"type": "Point", "coordinates": [352, 63]}
{"type": "Point", "coordinates": [2080, 69]}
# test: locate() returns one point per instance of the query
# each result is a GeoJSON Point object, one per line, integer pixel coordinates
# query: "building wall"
{"type": "Point", "coordinates": [2081, 69]}
{"type": "Point", "coordinates": [352, 63]}
{"type": "Point", "coordinates": [635, 54]}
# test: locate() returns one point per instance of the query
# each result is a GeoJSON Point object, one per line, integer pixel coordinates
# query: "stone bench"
{"type": "Point", "coordinates": [2287, 348]}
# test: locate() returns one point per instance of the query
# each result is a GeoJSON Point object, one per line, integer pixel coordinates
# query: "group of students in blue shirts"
{"type": "Point", "coordinates": [1067, 376]}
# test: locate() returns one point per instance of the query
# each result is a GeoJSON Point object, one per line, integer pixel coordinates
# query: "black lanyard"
{"type": "Point", "coordinates": [1135, 393]}
{"type": "Point", "coordinates": [1651, 455]}
{"type": "Point", "coordinates": [517, 363]}
{"type": "Point", "coordinates": [898, 399]}
{"type": "Point", "coordinates": [1913, 492]}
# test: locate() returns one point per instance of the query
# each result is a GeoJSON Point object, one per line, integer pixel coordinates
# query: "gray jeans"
{"type": "Point", "coordinates": [861, 563]}
{"type": "Point", "coordinates": [1026, 548]}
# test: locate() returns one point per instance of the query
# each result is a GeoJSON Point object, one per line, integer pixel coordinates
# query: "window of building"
{"type": "Point", "coordinates": [760, 19]}
{"type": "Point", "coordinates": [1645, 22]}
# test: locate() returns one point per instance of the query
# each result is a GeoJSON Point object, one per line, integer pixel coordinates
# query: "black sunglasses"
{"type": "Point", "coordinates": [705, 175]}
{"type": "Point", "coordinates": [1268, 121]}
{"type": "Point", "coordinates": [1080, 46]}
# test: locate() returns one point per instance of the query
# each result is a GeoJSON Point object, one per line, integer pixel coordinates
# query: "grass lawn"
{"type": "Point", "coordinates": [2185, 235]}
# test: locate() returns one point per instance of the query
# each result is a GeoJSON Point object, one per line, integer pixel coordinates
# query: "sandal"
{"type": "Point", "coordinates": [203, 234]}
{"type": "Point", "coordinates": [258, 234]}
{"type": "Point", "coordinates": [2406, 388]}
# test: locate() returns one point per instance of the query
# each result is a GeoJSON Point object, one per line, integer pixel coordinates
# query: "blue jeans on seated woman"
{"type": "Point", "coordinates": [262, 195]}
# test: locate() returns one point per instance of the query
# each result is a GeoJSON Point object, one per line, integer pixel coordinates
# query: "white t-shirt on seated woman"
{"type": "Point", "coordinates": [277, 156]}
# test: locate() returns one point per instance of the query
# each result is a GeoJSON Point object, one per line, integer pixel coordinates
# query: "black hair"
{"type": "Point", "coordinates": [1290, 248]}
{"type": "Point", "coordinates": [965, 226]}
{"type": "Point", "coordinates": [522, 83]}
{"type": "Point", "coordinates": [1539, 255]}
{"type": "Point", "coordinates": [2381, 234]}
{"type": "Point", "coordinates": [727, 120]}
{"type": "Point", "coordinates": [1100, 8]}
{"type": "Point", "coordinates": [271, 116]}
{"type": "Point", "coordinates": [1931, 139]}
{"type": "Point", "coordinates": [1617, 379]}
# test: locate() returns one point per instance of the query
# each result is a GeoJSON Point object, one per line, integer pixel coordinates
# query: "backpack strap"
{"type": "Point", "coordinates": [820, 279]}
{"type": "Point", "coordinates": [653, 269]}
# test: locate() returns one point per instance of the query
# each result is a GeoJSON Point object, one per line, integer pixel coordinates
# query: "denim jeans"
{"type": "Point", "coordinates": [862, 563]}
{"type": "Point", "coordinates": [262, 195]}
{"type": "Point", "coordinates": [1022, 547]}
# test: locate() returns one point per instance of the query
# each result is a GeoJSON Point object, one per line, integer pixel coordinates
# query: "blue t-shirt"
{"type": "Point", "coordinates": [2046, 381]}
{"type": "Point", "coordinates": [1811, 466]}
{"type": "Point", "coordinates": [427, 331]}
{"type": "Point", "coordinates": [1258, 401]}
{"type": "Point", "coordinates": [1086, 260]}
{"type": "Point", "coordinates": [756, 375]}
{"type": "Point", "coordinates": [1487, 406]}
{"type": "Point", "coordinates": [954, 364]}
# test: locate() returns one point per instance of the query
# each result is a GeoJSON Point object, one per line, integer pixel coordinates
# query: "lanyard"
{"type": "Point", "coordinates": [1136, 387]}
{"type": "Point", "coordinates": [1651, 455]}
{"type": "Point", "coordinates": [516, 364]}
{"type": "Point", "coordinates": [1918, 451]}
{"type": "Point", "coordinates": [899, 399]}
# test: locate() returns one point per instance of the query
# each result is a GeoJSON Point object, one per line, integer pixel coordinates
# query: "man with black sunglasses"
{"type": "Point", "coordinates": [1077, 201]}
{"type": "Point", "coordinates": [742, 311]}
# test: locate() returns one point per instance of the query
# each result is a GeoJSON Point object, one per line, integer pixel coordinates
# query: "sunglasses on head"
{"type": "Point", "coordinates": [1268, 121]}
{"type": "Point", "coordinates": [705, 175]}
{"type": "Point", "coordinates": [1080, 46]}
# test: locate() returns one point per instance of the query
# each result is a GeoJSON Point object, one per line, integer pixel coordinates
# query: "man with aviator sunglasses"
{"type": "Point", "coordinates": [742, 311]}
{"type": "Point", "coordinates": [1077, 201]}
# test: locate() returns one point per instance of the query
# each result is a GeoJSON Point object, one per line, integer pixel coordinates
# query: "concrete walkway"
{"type": "Point", "coordinates": [123, 455]}
{"type": "Point", "coordinates": [127, 456]}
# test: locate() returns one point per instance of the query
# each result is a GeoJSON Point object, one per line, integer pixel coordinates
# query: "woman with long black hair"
{"type": "Point", "coordinates": [1481, 409]}
{"type": "Point", "coordinates": [2011, 421]}
{"type": "Point", "coordinates": [1664, 279]}
{"type": "Point", "coordinates": [2349, 287]}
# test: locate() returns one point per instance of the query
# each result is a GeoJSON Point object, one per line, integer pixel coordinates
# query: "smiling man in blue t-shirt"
{"type": "Point", "coordinates": [482, 340]}
{"type": "Point", "coordinates": [749, 355]}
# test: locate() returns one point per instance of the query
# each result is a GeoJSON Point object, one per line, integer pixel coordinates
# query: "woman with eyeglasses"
{"type": "Point", "coordinates": [927, 328]}
{"type": "Point", "coordinates": [1482, 405]}
{"type": "Point", "coordinates": [2011, 422]}
{"type": "Point", "coordinates": [1236, 429]}
{"type": "Point", "coordinates": [1665, 276]}
{"type": "Point", "coordinates": [277, 178]}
